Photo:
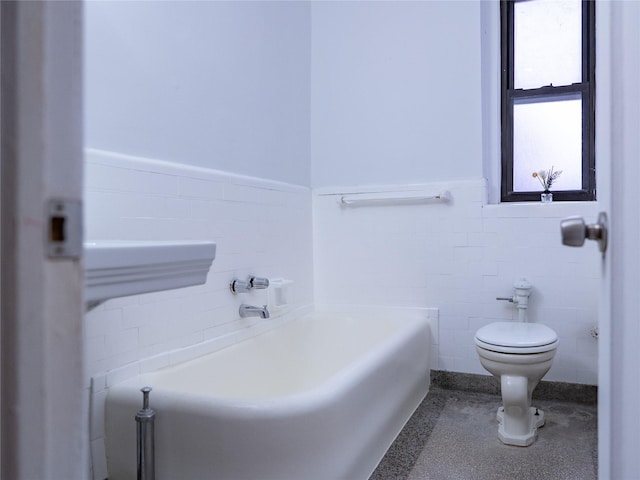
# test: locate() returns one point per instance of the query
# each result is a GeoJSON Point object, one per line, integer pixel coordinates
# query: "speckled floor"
{"type": "Point", "coordinates": [453, 436]}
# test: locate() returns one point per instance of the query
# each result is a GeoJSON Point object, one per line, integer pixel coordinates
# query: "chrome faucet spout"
{"type": "Point", "coordinates": [253, 311]}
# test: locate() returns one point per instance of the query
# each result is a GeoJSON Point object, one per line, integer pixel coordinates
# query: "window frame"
{"type": "Point", "coordinates": [586, 88]}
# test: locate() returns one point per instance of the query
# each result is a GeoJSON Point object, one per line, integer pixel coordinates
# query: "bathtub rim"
{"type": "Point", "coordinates": [282, 405]}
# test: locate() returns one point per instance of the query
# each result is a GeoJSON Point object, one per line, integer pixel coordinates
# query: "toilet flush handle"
{"type": "Point", "coordinates": [506, 299]}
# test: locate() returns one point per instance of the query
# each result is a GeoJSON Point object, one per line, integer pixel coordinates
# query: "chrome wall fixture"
{"type": "Point", "coordinates": [241, 286]}
{"type": "Point", "coordinates": [259, 283]}
{"type": "Point", "coordinates": [145, 419]}
{"type": "Point", "coordinates": [253, 311]}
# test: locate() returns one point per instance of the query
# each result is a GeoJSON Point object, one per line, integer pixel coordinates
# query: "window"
{"type": "Point", "coordinates": [548, 97]}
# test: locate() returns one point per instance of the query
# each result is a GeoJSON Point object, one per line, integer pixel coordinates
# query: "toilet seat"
{"type": "Point", "coordinates": [516, 338]}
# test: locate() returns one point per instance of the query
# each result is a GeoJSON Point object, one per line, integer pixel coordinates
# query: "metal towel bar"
{"type": "Point", "coordinates": [391, 198]}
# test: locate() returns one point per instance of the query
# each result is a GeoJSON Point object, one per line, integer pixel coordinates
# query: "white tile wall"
{"type": "Point", "coordinates": [260, 227]}
{"type": "Point", "coordinates": [458, 257]}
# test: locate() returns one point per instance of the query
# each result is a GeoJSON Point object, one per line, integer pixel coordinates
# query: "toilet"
{"type": "Point", "coordinates": [519, 354]}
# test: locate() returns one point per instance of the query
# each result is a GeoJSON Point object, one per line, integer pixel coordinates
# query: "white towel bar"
{"type": "Point", "coordinates": [391, 198]}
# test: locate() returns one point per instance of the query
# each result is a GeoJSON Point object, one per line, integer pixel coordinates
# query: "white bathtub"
{"type": "Point", "coordinates": [321, 397]}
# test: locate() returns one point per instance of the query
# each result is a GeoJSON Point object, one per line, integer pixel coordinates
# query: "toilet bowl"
{"type": "Point", "coordinates": [519, 354]}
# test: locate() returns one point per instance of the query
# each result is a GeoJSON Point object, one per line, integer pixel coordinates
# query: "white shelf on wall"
{"type": "Point", "coordinates": [121, 268]}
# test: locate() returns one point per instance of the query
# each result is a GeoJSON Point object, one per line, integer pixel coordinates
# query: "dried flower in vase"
{"type": "Point", "coordinates": [547, 177]}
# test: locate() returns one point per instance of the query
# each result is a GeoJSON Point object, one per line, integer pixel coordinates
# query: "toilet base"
{"type": "Point", "coordinates": [537, 420]}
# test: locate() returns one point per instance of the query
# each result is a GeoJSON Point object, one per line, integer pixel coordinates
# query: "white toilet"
{"type": "Point", "coordinates": [519, 354]}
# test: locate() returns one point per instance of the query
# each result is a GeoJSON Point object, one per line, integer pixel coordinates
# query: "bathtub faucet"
{"type": "Point", "coordinates": [252, 311]}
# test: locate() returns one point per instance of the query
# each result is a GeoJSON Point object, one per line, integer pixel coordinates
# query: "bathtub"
{"type": "Point", "coordinates": [320, 397]}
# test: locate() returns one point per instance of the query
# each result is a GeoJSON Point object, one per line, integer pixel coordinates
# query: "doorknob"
{"type": "Point", "coordinates": [575, 231]}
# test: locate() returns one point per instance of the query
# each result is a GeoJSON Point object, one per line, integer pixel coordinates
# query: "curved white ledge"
{"type": "Point", "coordinates": [117, 269]}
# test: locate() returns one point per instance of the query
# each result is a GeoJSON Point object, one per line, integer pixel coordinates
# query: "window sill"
{"type": "Point", "coordinates": [539, 209]}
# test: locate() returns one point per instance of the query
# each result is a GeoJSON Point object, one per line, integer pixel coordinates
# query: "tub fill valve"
{"type": "Point", "coordinates": [145, 447]}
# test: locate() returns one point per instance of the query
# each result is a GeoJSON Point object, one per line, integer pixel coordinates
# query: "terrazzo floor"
{"type": "Point", "coordinates": [453, 436]}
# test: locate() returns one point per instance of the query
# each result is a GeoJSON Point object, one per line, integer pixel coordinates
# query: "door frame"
{"type": "Point", "coordinates": [43, 415]}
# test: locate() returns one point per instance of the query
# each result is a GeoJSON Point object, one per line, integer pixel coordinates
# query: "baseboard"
{"type": "Point", "coordinates": [574, 392]}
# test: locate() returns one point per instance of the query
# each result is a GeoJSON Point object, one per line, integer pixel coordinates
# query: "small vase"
{"type": "Point", "coordinates": [546, 197]}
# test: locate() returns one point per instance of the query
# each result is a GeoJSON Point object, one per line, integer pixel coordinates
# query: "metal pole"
{"type": "Point", "coordinates": [145, 445]}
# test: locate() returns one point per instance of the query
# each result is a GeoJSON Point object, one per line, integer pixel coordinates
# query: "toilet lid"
{"type": "Point", "coordinates": [516, 337]}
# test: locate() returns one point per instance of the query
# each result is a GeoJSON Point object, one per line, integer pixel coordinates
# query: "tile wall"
{"type": "Point", "coordinates": [459, 256]}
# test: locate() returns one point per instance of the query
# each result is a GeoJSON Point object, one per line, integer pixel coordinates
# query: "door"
{"type": "Point", "coordinates": [618, 154]}
{"type": "Point", "coordinates": [42, 417]}
{"type": "Point", "coordinates": [621, 277]}
{"type": "Point", "coordinates": [618, 157]}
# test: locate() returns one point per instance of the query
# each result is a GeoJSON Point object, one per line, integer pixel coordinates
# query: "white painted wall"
{"type": "Point", "coordinates": [221, 84]}
{"type": "Point", "coordinates": [396, 89]}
